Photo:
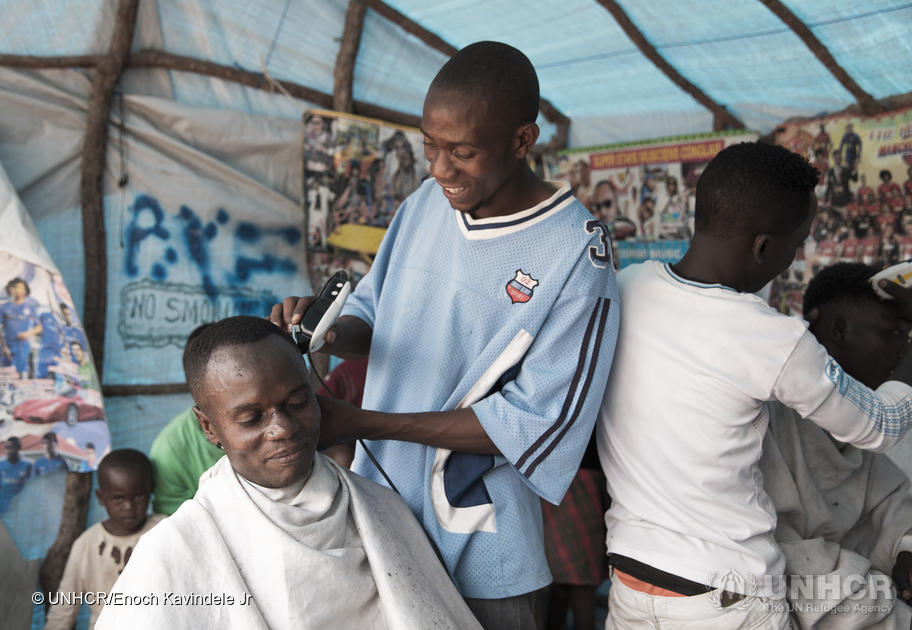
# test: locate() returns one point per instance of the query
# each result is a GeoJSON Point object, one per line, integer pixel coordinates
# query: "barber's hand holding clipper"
{"type": "Point", "coordinates": [313, 326]}
{"type": "Point", "coordinates": [348, 337]}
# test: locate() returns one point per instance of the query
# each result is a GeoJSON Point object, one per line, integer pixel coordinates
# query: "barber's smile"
{"type": "Point", "coordinates": [454, 193]}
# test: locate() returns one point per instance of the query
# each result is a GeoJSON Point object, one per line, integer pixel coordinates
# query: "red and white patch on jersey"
{"type": "Point", "coordinates": [520, 287]}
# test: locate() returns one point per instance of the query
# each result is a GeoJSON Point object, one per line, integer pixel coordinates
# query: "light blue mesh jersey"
{"type": "Point", "coordinates": [516, 316]}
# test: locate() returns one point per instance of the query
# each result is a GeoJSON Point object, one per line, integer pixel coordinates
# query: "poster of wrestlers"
{"type": "Point", "coordinates": [643, 192]}
{"type": "Point", "coordinates": [356, 173]}
{"type": "Point", "coordinates": [864, 195]}
{"type": "Point", "coordinates": [51, 412]}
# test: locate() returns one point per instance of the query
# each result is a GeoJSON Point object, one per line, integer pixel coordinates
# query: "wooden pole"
{"type": "Point", "coordinates": [866, 103]}
{"type": "Point", "coordinates": [548, 110]}
{"type": "Point", "coordinates": [66, 61]}
{"type": "Point", "coordinates": [91, 192]}
{"type": "Point", "coordinates": [344, 74]}
{"type": "Point", "coordinates": [144, 390]}
{"type": "Point", "coordinates": [75, 511]}
{"type": "Point", "coordinates": [91, 189]}
{"type": "Point", "coordinates": [722, 118]}
{"type": "Point", "coordinates": [168, 61]}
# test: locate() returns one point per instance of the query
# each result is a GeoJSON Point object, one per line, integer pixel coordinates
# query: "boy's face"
{"type": "Point", "coordinates": [125, 493]}
{"type": "Point", "coordinates": [257, 402]}
{"type": "Point", "coordinates": [468, 147]}
{"type": "Point", "coordinates": [873, 340]}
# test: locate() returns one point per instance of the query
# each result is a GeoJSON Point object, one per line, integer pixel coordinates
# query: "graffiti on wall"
{"type": "Point", "coordinates": [186, 268]}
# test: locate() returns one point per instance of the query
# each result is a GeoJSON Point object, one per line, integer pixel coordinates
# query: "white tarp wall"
{"type": "Point", "coordinates": [210, 217]}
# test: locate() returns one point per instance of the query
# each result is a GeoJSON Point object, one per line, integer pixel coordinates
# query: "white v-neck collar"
{"type": "Point", "coordinates": [479, 229]}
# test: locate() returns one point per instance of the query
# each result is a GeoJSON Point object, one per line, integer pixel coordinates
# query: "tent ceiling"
{"type": "Point", "coordinates": [736, 52]}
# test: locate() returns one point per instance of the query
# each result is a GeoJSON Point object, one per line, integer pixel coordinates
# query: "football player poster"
{"type": "Point", "coordinates": [51, 411]}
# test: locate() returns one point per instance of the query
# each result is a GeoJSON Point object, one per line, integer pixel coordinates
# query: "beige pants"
{"type": "Point", "coordinates": [632, 610]}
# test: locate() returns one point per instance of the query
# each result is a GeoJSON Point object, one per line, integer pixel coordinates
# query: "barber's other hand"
{"type": "Point", "coordinates": [339, 422]}
{"type": "Point", "coordinates": [902, 574]}
{"type": "Point", "coordinates": [902, 295]}
{"type": "Point", "coordinates": [290, 311]}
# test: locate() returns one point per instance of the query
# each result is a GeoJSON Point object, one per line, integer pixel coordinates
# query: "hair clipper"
{"type": "Point", "coordinates": [900, 273]}
{"type": "Point", "coordinates": [322, 314]}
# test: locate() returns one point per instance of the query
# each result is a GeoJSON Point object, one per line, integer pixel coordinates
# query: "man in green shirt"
{"type": "Point", "coordinates": [180, 454]}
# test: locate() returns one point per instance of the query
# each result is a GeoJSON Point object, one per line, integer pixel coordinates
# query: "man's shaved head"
{"type": "Point", "coordinates": [233, 331]}
{"type": "Point", "coordinates": [495, 73]}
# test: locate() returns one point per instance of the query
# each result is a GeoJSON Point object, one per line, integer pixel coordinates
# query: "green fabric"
{"type": "Point", "coordinates": [179, 455]}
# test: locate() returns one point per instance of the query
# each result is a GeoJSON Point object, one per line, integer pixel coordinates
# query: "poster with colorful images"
{"type": "Point", "coordinates": [643, 191]}
{"type": "Point", "coordinates": [357, 171]}
{"type": "Point", "coordinates": [864, 195]}
{"type": "Point", "coordinates": [51, 411]}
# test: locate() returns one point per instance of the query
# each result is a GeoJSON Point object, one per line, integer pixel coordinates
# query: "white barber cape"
{"type": "Point", "coordinates": [339, 552]}
{"type": "Point", "coordinates": [844, 515]}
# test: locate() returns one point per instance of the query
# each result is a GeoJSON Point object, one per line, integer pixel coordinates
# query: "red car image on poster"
{"type": "Point", "coordinates": [70, 408]}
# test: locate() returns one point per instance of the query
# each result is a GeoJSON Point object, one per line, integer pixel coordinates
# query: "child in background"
{"type": "Point", "coordinates": [99, 555]}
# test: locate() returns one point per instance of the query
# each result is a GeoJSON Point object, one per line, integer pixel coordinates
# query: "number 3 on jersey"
{"type": "Point", "coordinates": [600, 255]}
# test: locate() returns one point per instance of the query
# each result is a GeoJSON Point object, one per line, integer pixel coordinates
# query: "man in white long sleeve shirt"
{"type": "Point", "coordinates": [690, 528]}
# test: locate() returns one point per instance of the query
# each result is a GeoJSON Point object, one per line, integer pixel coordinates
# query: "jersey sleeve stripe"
{"type": "Point", "coordinates": [581, 363]}
{"type": "Point", "coordinates": [581, 400]}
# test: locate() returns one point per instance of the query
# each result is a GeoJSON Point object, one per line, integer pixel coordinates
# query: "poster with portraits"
{"type": "Point", "coordinates": [864, 195]}
{"type": "Point", "coordinates": [52, 416]}
{"type": "Point", "coordinates": [357, 171]}
{"type": "Point", "coordinates": [643, 191]}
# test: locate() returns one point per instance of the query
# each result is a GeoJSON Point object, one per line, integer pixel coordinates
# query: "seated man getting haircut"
{"type": "Point", "coordinates": [278, 536]}
{"type": "Point", "coordinates": [844, 515]}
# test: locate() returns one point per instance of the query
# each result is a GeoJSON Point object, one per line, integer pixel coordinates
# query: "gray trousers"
{"type": "Point", "coordinates": [523, 612]}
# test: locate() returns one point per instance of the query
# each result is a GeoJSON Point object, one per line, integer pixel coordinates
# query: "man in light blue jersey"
{"type": "Point", "coordinates": [489, 317]}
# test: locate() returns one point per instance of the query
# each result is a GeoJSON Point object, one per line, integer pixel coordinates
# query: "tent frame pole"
{"type": "Point", "coordinates": [344, 73]}
{"type": "Point", "coordinates": [866, 103]}
{"type": "Point", "coordinates": [548, 110]}
{"type": "Point", "coordinates": [108, 69]}
{"type": "Point", "coordinates": [722, 118]}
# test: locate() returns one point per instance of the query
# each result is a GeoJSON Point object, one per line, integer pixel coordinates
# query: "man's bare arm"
{"type": "Point", "coordinates": [457, 430]}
